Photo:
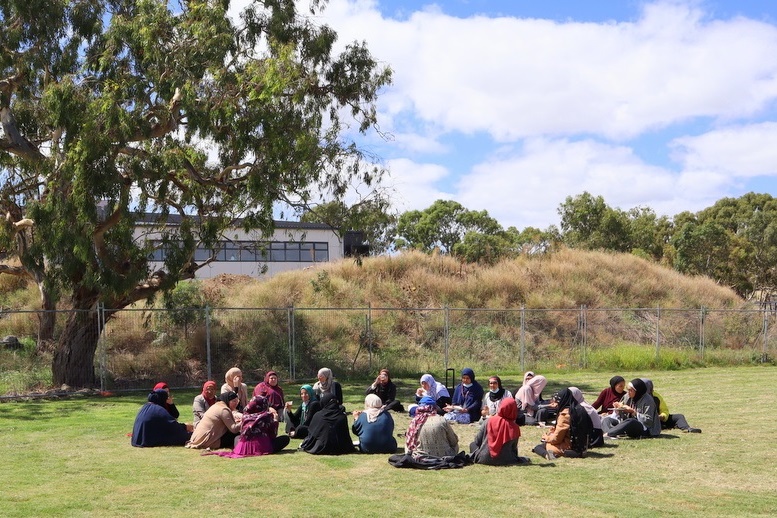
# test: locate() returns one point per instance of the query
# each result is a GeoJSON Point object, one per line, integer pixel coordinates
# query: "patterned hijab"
{"type": "Point", "coordinates": [426, 407]}
{"type": "Point", "coordinates": [257, 419]}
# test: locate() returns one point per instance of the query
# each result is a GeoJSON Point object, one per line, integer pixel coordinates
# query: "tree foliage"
{"type": "Point", "coordinates": [450, 228]}
{"type": "Point", "coordinates": [373, 216]}
{"type": "Point", "coordinates": [113, 108]}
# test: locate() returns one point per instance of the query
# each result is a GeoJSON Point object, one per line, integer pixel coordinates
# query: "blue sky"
{"type": "Point", "coordinates": [513, 105]}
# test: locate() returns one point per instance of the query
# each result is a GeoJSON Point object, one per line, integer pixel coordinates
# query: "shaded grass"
{"type": "Point", "coordinates": [72, 458]}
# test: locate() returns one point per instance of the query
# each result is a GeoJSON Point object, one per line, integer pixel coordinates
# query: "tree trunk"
{"type": "Point", "coordinates": [73, 363]}
{"type": "Point", "coordinates": [47, 319]}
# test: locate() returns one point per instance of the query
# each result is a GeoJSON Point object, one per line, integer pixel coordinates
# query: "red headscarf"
{"type": "Point", "coordinates": [211, 400]}
{"type": "Point", "coordinates": [161, 385]}
{"type": "Point", "coordinates": [501, 428]}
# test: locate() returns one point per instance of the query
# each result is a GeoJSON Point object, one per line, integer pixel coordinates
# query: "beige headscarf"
{"type": "Point", "coordinates": [373, 407]}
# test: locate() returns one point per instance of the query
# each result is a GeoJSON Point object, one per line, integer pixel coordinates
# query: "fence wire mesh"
{"type": "Point", "coordinates": [188, 346]}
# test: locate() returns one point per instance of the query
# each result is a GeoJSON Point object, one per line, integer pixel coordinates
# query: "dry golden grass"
{"type": "Point", "coordinates": [564, 279]}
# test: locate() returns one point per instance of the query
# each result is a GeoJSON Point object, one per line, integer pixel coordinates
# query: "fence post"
{"type": "Point", "coordinates": [701, 331]}
{"type": "Point", "coordinates": [764, 354]}
{"type": "Point", "coordinates": [208, 359]}
{"type": "Point", "coordinates": [446, 334]}
{"type": "Point", "coordinates": [658, 330]}
{"type": "Point", "coordinates": [291, 333]}
{"type": "Point", "coordinates": [582, 329]}
{"type": "Point", "coordinates": [369, 333]}
{"type": "Point", "coordinates": [523, 337]}
{"type": "Point", "coordinates": [101, 341]}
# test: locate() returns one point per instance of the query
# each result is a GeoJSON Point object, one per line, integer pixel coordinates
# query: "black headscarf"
{"type": "Point", "coordinates": [640, 388]}
{"type": "Point", "coordinates": [614, 381]}
{"type": "Point", "coordinates": [565, 399]}
{"type": "Point", "coordinates": [499, 394]}
{"type": "Point", "coordinates": [226, 397]}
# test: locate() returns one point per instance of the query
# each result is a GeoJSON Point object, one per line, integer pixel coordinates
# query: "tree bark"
{"type": "Point", "coordinates": [73, 363]}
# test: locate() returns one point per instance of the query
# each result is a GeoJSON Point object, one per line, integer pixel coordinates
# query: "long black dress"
{"type": "Point", "coordinates": [328, 431]}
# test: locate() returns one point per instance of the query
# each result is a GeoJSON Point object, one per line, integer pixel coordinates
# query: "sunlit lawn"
{"type": "Point", "coordinates": [73, 457]}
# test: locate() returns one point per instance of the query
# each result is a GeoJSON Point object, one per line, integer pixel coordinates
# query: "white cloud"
{"type": "Point", "coordinates": [520, 77]}
{"type": "Point", "coordinates": [526, 188]}
{"type": "Point", "coordinates": [741, 151]}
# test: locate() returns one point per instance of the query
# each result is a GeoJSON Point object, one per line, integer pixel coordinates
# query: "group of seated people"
{"type": "Point", "coordinates": [230, 421]}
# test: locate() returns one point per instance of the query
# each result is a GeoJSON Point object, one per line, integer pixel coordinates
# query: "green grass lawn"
{"type": "Point", "coordinates": [73, 458]}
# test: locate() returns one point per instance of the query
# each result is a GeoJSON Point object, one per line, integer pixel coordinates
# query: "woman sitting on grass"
{"type": "Point", "coordinates": [328, 432]}
{"type": "Point", "coordinates": [496, 443]}
{"type": "Point", "coordinates": [429, 434]}
{"type": "Point", "coordinates": [270, 389]}
{"type": "Point", "coordinates": [258, 431]}
{"type": "Point", "coordinates": [385, 389]}
{"type": "Point", "coordinates": [608, 396]}
{"type": "Point", "coordinates": [467, 399]}
{"type": "Point", "coordinates": [234, 383]}
{"type": "Point", "coordinates": [154, 426]}
{"type": "Point", "coordinates": [297, 422]}
{"type": "Point", "coordinates": [530, 396]}
{"type": "Point", "coordinates": [637, 414]}
{"type": "Point", "coordinates": [169, 405]}
{"type": "Point", "coordinates": [494, 397]}
{"type": "Point", "coordinates": [669, 421]}
{"type": "Point", "coordinates": [570, 436]}
{"type": "Point", "coordinates": [433, 389]}
{"type": "Point", "coordinates": [327, 384]}
{"type": "Point", "coordinates": [374, 427]}
{"type": "Point", "coordinates": [218, 427]}
{"type": "Point", "coordinates": [597, 434]}
{"type": "Point", "coordinates": [202, 402]}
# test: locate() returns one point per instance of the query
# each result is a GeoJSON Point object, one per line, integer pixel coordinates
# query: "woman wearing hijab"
{"type": "Point", "coordinates": [467, 399]}
{"type": "Point", "coordinates": [374, 427]}
{"type": "Point", "coordinates": [668, 421]}
{"type": "Point", "coordinates": [270, 389]}
{"type": "Point", "coordinates": [496, 443]}
{"type": "Point", "coordinates": [168, 404]}
{"type": "Point", "coordinates": [328, 431]}
{"type": "Point", "coordinates": [218, 427]}
{"type": "Point", "coordinates": [205, 400]}
{"type": "Point", "coordinates": [297, 422]}
{"type": "Point", "coordinates": [495, 395]}
{"type": "Point", "coordinates": [596, 438]}
{"type": "Point", "coordinates": [608, 396]}
{"type": "Point", "coordinates": [234, 383]}
{"type": "Point", "coordinates": [154, 426]}
{"type": "Point", "coordinates": [385, 389]}
{"type": "Point", "coordinates": [530, 396]}
{"type": "Point", "coordinates": [433, 389]}
{"type": "Point", "coordinates": [430, 434]}
{"type": "Point", "coordinates": [326, 384]}
{"type": "Point", "coordinates": [637, 411]}
{"type": "Point", "coordinates": [570, 436]}
{"type": "Point", "coordinates": [258, 431]}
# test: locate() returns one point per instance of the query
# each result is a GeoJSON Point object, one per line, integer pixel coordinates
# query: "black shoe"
{"type": "Point", "coordinates": [693, 430]}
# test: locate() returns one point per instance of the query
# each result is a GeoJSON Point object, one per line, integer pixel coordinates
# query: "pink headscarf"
{"type": "Point", "coordinates": [530, 392]}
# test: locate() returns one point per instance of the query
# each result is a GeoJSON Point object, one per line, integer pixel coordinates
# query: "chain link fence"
{"type": "Point", "coordinates": [188, 346]}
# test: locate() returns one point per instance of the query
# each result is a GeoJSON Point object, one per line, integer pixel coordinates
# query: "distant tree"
{"type": "Point", "coordinates": [588, 222]}
{"type": "Point", "coordinates": [109, 109]}
{"type": "Point", "coordinates": [373, 216]}
{"type": "Point", "coordinates": [444, 226]}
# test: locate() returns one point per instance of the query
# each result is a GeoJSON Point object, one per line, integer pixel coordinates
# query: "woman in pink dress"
{"type": "Point", "coordinates": [258, 431]}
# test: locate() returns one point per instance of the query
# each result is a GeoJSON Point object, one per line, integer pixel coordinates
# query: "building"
{"type": "Point", "coordinates": [293, 246]}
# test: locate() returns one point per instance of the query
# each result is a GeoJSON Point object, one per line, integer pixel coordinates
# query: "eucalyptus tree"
{"type": "Point", "coordinates": [114, 108]}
